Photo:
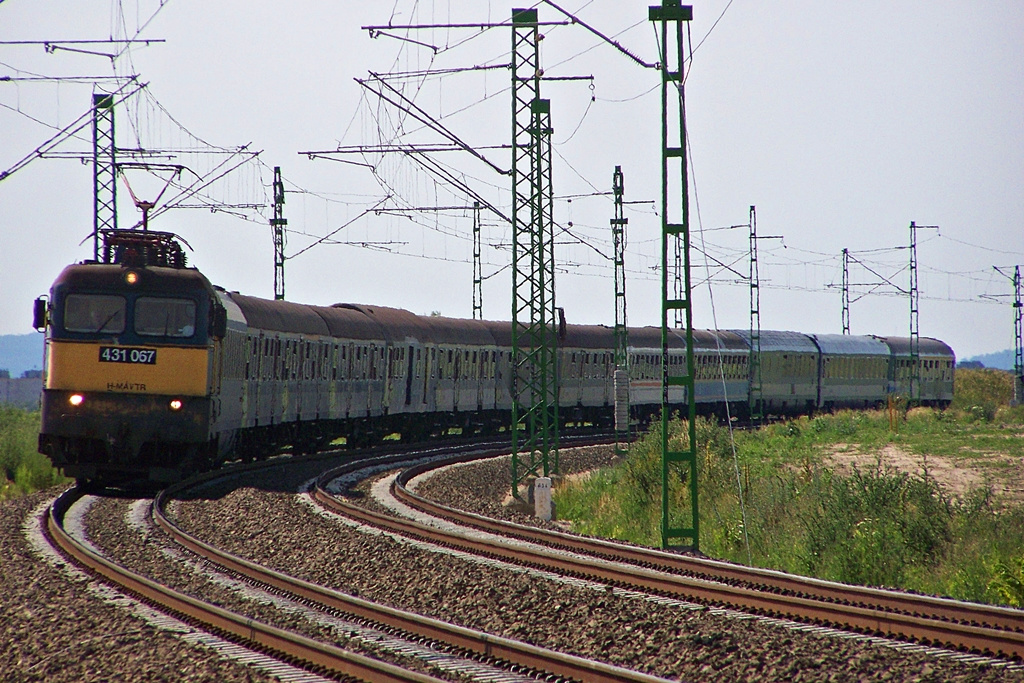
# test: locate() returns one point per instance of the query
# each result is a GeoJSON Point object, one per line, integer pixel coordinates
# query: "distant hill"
{"type": "Point", "coordinates": [1002, 360]}
{"type": "Point", "coordinates": [21, 352]}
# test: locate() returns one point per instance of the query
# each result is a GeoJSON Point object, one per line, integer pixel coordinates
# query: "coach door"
{"type": "Point", "coordinates": [456, 377]}
{"type": "Point", "coordinates": [409, 376]}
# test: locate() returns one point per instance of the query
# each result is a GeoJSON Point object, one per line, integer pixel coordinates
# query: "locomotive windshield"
{"type": "Point", "coordinates": [94, 313]}
{"type": "Point", "coordinates": [162, 317]}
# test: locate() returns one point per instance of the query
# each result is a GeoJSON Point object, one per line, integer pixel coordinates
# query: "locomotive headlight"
{"type": "Point", "coordinates": [76, 399]}
{"type": "Point", "coordinates": [175, 404]}
{"type": "Point", "coordinates": [131, 277]}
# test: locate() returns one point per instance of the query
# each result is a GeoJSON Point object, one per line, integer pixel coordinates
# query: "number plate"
{"type": "Point", "coordinates": [127, 354]}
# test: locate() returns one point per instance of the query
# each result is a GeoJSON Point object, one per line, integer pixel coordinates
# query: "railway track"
{"type": "Point", "coordinates": [654, 572]}
{"type": "Point", "coordinates": [286, 646]}
{"type": "Point", "coordinates": [967, 627]}
{"type": "Point", "coordinates": [521, 661]}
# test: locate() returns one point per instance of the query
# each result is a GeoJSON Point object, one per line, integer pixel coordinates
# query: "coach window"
{"type": "Point", "coordinates": [94, 313]}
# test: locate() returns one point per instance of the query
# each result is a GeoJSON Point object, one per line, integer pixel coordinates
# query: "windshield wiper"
{"type": "Point", "coordinates": [107, 321]}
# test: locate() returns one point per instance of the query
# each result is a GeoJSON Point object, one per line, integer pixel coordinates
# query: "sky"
{"type": "Point", "coordinates": [841, 122]}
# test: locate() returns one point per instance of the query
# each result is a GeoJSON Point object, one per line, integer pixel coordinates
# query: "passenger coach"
{"type": "Point", "coordinates": [152, 372]}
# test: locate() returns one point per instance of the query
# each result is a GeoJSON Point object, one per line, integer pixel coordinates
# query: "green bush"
{"type": "Point", "coordinates": [1008, 582]}
{"type": "Point", "coordinates": [868, 528]}
{"type": "Point", "coordinates": [18, 432]}
{"type": "Point", "coordinates": [24, 469]}
{"type": "Point", "coordinates": [876, 526]}
{"type": "Point", "coordinates": [980, 392]}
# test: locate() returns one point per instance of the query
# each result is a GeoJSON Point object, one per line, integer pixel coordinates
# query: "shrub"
{"type": "Point", "coordinates": [870, 527]}
{"type": "Point", "coordinates": [24, 469]}
{"type": "Point", "coordinates": [18, 434]}
{"type": "Point", "coordinates": [1008, 582]}
{"type": "Point", "coordinates": [979, 392]}
{"type": "Point", "coordinates": [876, 526]}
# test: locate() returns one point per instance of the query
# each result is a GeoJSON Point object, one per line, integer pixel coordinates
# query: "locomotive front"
{"type": "Point", "coordinates": [129, 372]}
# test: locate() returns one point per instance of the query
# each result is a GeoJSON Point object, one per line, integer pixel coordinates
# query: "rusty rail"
{"type": "Point", "coordinates": [479, 644]}
{"type": "Point", "coordinates": [281, 644]}
{"type": "Point", "coordinates": [920, 619]}
{"type": "Point", "coordinates": [927, 606]}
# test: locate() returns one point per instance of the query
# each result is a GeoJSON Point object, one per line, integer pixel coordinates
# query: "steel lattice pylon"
{"type": "Point", "coordinates": [846, 291]}
{"type": "Point", "coordinates": [104, 169]}
{"type": "Point", "coordinates": [619, 223]}
{"type": "Point", "coordinates": [756, 394]}
{"type": "Point", "coordinates": [915, 309]}
{"type": "Point", "coordinates": [1018, 334]}
{"type": "Point", "coordinates": [915, 333]}
{"type": "Point", "coordinates": [277, 224]}
{"type": "Point", "coordinates": [478, 280]}
{"type": "Point", "coordinates": [1018, 338]}
{"type": "Point", "coordinates": [534, 336]}
{"type": "Point", "coordinates": [669, 18]}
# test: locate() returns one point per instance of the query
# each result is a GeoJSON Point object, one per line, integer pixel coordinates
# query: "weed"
{"type": "Point", "coordinates": [876, 526]}
{"type": "Point", "coordinates": [24, 470]}
{"type": "Point", "coordinates": [870, 527]}
{"type": "Point", "coordinates": [1008, 581]}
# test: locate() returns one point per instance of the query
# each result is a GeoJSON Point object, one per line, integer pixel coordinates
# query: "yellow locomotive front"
{"type": "Point", "coordinates": [129, 369]}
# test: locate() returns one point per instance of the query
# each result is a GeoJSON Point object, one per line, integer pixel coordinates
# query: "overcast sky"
{"type": "Point", "coordinates": [841, 122]}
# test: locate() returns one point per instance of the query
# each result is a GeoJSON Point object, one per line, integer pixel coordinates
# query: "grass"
{"type": "Point", "coordinates": [24, 470]}
{"type": "Point", "coordinates": [871, 524]}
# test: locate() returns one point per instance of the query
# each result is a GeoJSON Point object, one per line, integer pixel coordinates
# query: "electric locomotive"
{"type": "Point", "coordinates": [129, 363]}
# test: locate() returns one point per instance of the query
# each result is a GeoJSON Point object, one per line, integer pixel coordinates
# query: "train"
{"type": "Point", "coordinates": [153, 373]}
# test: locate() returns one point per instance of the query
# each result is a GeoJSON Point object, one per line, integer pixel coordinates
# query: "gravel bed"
{"type": "Point", "coordinates": [145, 553]}
{"type": "Point", "coordinates": [277, 529]}
{"type": "Point", "coordinates": [483, 487]}
{"type": "Point", "coordinates": [53, 628]}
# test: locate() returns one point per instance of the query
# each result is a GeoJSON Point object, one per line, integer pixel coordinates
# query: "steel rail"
{"type": "Point", "coordinates": [864, 619]}
{"type": "Point", "coordinates": [933, 607]}
{"type": "Point", "coordinates": [281, 644]}
{"type": "Point", "coordinates": [462, 639]}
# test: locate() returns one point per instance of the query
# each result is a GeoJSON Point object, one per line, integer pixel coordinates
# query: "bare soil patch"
{"type": "Point", "coordinates": [956, 475]}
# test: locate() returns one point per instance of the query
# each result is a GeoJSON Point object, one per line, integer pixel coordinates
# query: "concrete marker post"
{"type": "Point", "coordinates": [542, 498]}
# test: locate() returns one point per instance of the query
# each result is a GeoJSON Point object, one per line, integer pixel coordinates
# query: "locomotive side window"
{"type": "Point", "coordinates": [94, 313]}
{"type": "Point", "coordinates": [161, 317]}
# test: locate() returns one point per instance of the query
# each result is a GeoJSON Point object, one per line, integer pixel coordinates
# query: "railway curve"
{"type": "Point", "coordinates": [931, 621]}
{"type": "Point", "coordinates": [306, 545]}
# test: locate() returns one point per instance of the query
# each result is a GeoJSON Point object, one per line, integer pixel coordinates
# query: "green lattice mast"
{"type": "Point", "coordinates": [277, 224]}
{"type": "Point", "coordinates": [677, 461]}
{"type": "Point", "coordinates": [621, 384]}
{"type": "Point", "coordinates": [478, 280]}
{"type": "Point", "coordinates": [756, 405]}
{"type": "Point", "coordinates": [104, 169]}
{"type": "Point", "coordinates": [1018, 339]}
{"type": "Point", "coordinates": [534, 336]}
